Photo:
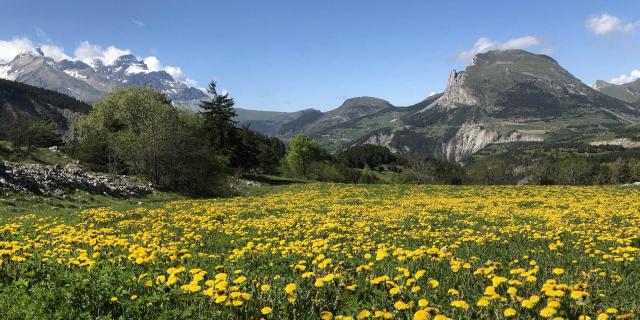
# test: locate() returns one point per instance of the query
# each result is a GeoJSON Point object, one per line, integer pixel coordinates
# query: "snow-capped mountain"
{"type": "Point", "coordinates": [90, 81]}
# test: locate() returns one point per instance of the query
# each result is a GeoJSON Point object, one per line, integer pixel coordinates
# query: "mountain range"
{"type": "Point", "coordinates": [90, 81]}
{"type": "Point", "coordinates": [502, 97]}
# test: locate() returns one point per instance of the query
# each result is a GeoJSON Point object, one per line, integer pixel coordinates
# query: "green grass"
{"type": "Point", "coordinates": [14, 203]}
{"type": "Point", "coordinates": [37, 155]}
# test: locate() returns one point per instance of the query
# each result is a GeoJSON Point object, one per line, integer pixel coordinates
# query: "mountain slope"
{"type": "Point", "coordinates": [89, 82]}
{"type": "Point", "coordinates": [519, 84]}
{"type": "Point", "coordinates": [503, 97]}
{"type": "Point", "coordinates": [628, 92]}
{"type": "Point", "coordinates": [22, 100]}
{"type": "Point", "coordinates": [35, 69]}
{"type": "Point", "coordinates": [515, 96]}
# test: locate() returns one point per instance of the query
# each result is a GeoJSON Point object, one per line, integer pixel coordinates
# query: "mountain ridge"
{"type": "Point", "coordinates": [628, 92]}
{"type": "Point", "coordinates": [503, 96]}
{"type": "Point", "coordinates": [90, 81]}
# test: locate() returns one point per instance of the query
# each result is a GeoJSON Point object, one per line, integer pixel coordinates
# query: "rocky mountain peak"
{"type": "Point", "coordinates": [517, 83]}
{"type": "Point", "coordinates": [628, 92]}
{"type": "Point", "coordinates": [72, 64]}
{"type": "Point", "coordinates": [126, 59]}
{"type": "Point", "coordinates": [37, 52]}
{"type": "Point", "coordinates": [600, 84]}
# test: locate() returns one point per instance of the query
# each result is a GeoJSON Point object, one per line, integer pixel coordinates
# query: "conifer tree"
{"type": "Point", "coordinates": [218, 116]}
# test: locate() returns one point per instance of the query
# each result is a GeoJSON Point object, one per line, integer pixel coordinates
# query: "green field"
{"type": "Point", "coordinates": [326, 251]}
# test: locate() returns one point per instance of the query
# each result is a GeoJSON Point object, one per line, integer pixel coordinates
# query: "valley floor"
{"type": "Point", "coordinates": [330, 251]}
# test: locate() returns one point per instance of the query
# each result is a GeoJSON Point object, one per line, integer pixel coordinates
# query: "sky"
{"type": "Point", "coordinates": [291, 55]}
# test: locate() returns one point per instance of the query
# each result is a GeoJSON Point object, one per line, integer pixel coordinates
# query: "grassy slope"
{"type": "Point", "coordinates": [38, 155]}
{"type": "Point", "coordinates": [66, 207]}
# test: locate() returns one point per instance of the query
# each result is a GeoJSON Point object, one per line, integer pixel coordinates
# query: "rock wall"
{"type": "Point", "coordinates": [58, 180]}
{"type": "Point", "coordinates": [472, 138]}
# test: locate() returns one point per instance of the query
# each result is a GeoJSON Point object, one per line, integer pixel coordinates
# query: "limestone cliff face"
{"type": "Point", "coordinates": [457, 93]}
{"type": "Point", "coordinates": [381, 139]}
{"type": "Point", "coordinates": [472, 138]}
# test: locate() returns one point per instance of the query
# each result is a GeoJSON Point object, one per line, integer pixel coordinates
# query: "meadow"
{"type": "Point", "coordinates": [330, 251]}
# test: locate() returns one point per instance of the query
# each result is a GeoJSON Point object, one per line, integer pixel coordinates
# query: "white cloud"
{"type": "Point", "coordinates": [606, 24]}
{"type": "Point", "coordinates": [153, 64]}
{"type": "Point", "coordinates": [623, 78]}
{"type": "Point", "coordinates": [547, 51]}
{"type": "Point", "coordinates": [55, 53]}
{"type": "Point", "coordinates": [10, 49]}
{"type": "Point", "coordinates": [138, 23]}
{"type": "Point", "coordinates": [88, 52]}
{"type": "Point", "coordinates": [432, 93]}
{"type": "Point", "coordinates": [485, 44]}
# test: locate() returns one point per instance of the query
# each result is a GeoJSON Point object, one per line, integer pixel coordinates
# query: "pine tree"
{"type": "Point", "coordinates": [218, 118]}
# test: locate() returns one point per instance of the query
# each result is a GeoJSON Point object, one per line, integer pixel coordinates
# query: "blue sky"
{"type": "Point", "coordinates": [290, 55]}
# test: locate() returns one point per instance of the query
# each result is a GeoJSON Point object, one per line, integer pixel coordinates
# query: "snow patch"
{"type": "Point", "coordinates": [5, 72]}
{"type": "Point", "coordinates": [133, 69]}
{"type": "Point", "coordinates": [75, 74]}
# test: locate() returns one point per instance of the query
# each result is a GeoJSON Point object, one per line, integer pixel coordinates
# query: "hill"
{"type": "Point", "coordinates": [22, 100]}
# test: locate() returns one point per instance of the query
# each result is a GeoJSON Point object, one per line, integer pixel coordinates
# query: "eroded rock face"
{"type": "Point", "coordinates": [623, 142]}
{"type": "Point", "coordinates": [381, 139]}
{"type": "Point", "coordinates": [58, 180]}
{"type": "Point", "coordinates": [473, 138]}
{"type": "Point", "coordinates": [457, 93]}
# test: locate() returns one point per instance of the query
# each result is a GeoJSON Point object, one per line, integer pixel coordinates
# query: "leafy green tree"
{"type": "Point", "coordinates": [29, 134]}
{"type": "Point", "coordinates": [366, 155]}
{"type": "Point", "coordinates": [218, 118]}
{"type": "Point", "coordinates": [137, 131]}
{"type": "Point", "coordinates": [303, 151]}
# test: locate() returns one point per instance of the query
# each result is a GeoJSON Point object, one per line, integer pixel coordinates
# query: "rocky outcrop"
{"type": "Point", "coordinates": [383, 139]}
{"type": "Point", "coordinates": [472, 138]}
{"type": "Point", "coordinates": [623, 142]}
{"type": "Point", "coordinates": [456, 93]}
{"type": "Point", "coordinates": [50, 180]}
